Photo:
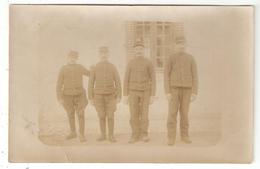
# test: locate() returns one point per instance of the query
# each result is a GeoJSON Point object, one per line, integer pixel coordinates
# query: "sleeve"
{"type": "Point", "coordinates": [195, 79]}
{"type": "Point", "coordinates": [126, 80]}
{"type": "Point", "coordinates": [152, 78]}
{"type": "Point", "coordinates": [59, 85]}
{"type": "Point", "coordinates": [91, 83]}
{"type": "Point", "coordinates": [167, 75]}
{"type": "Point", "coordinates": [117, 83]}
{"type": "Point", "coordinates": [85, 71]}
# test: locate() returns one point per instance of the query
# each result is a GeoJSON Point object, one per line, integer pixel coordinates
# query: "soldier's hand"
{"type": "Point", "coordinates": [169, 96]}
{"type": "Point", "coordinates": [125, 99]}
{"type": "Point", "coordinates": [152, 98]}
{"type": "Point", "coordinates": [193, 97]}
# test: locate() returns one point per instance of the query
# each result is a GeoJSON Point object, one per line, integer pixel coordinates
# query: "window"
{"type": "Point", "coordinates": [159, 52]}
{"type": "Point", "coordinates": [159, 62]}
{"type": "Point", "coordinates": [139, 30]}
{"type": "Point", "coordinates": [159, 41]}
{"type": "Point", "coordinates": [147, 29]}
{"type": "Point", "coordinates": [167, 29]}
{"type": "Point", "coordinates": [167, 39]}
{"type": "Point", "coordinates": [159, 29]}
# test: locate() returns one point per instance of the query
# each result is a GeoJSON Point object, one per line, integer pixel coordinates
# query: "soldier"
{"type": "Point", "coordinates": [139, 90]}
{"type": "Point", "coordinates": [181, 87]}
{"type": "Point", "coordinates": [105, 92]}
{"type": "Point", "coordinates": [71, 93]}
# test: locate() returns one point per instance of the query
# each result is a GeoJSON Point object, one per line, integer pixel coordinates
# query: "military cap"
{"type": "Point", "coordinates": [103, 49]}
{"type": "Point", "coordinates": [138, 42]}
{"type": "Point", "coordinates": [74, 54]}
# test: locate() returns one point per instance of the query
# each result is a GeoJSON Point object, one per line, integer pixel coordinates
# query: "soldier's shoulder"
{"type": "Point", "coordinates": [80, 65]}
{"type": "Point", "coordinates": [188, 55]}
{"type": "Point", "coordinates": [63, 67]}
{"type": "Point", "coordinates": [173, 55]}
{"type": "Point", "coordinates": [97, 64]}
{"type": "Point", "coordinates": [111, 65]}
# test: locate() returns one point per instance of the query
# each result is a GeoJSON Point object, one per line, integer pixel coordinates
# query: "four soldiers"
{"type": "Point", "coordinates": [104, 92]}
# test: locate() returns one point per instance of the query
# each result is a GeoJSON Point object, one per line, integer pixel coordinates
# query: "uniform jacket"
{"type": "Point", "coordinates": [139, 75]}
{"type": "Point", "coordinates": [181, 71]}
{"type": "Point", "coordinates": [70, 80]}
{"type": "Point", "coordinates": [104, 79]}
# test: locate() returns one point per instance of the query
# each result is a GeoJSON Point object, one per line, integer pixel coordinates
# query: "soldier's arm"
{"type": "Point", "coordinates": [126, 80]}
{"type": "Point", "coordinates": [167, 71]}
{"type": "Point", "coordinates": [91, 83]}
{"type": "Point", "coordinates": [59, 85]}
{"type": "Point", "coordinates": [117, 83]}
{"type": "Point", "coordinates": [85, 71]}
{"type": "Point", "coordinates": [195, 79]}
{"type": "Point", "coordinates": [153, 78]}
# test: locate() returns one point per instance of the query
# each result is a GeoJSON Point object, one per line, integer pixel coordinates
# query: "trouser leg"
{"type": "Point", "coordinates": [110, 110]}
{"type": "Point", "coordinates": [134, 111]}
{"type": "Point", "coordinates": [144, 119]}
{"type": "Point", "coordinates": [110, 126]}
{"type": "Point", "coordinates": [81, 118]}
{"type": "Point", "coordinates": [172, 113]}
{"type": "Point", "coordinates": [99, 101]}
{"type": "Point", "coordinates": [71, 117]}
{"type": "Point", "coordinates": [184, 112]}
{"type": "Point", "coordinates": [80, 102]}
{"type": "Point", "coordinates": [102, 125]}
{"type": "Point", "coordinates": [70, 109]}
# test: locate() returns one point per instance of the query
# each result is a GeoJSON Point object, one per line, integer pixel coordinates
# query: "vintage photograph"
{"type": "Point", "coordinates": [146, 84]}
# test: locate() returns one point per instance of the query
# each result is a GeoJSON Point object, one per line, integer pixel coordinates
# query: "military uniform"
{"type": "Point", "coordinates": [181, 80]}
{"type": "Point", "coordinates": [105, 88]}
{"type": "Point", "coordinates": [139, 85]}
{"type": "Point", "coordinates": [71, 91]}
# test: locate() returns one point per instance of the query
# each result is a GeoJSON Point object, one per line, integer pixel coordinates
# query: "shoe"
{"type": "Point", "coordinates": [145, 139]}
{"type": "Point", "coordinates": [171, 142]}
{"type": "Point", "coordinates": [82, 138]}
{"type": "Point", "coordinates": [112, 139]}
{"type": "Point", "coordinates": [101, 138]}
{"type": "Point", "coordinates": [186, 140]}
{"type": "Point", "coordinates": [133, 140]}
{"type": "Point", "coordinates": [71, 136]}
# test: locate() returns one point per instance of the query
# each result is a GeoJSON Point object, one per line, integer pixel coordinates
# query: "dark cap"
{"type": "Point", "coordinates": [103, 49]}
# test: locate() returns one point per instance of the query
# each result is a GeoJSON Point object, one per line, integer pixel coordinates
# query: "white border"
{"type": "Point", "coordinates": [4, 27]}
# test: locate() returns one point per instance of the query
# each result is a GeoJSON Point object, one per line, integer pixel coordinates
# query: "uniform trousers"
{"type": "Point", "coordinates": [179, 102]}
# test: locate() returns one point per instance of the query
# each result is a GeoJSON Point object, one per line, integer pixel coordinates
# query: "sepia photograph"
{"type": "Point", "coordinates": [131, 84]}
